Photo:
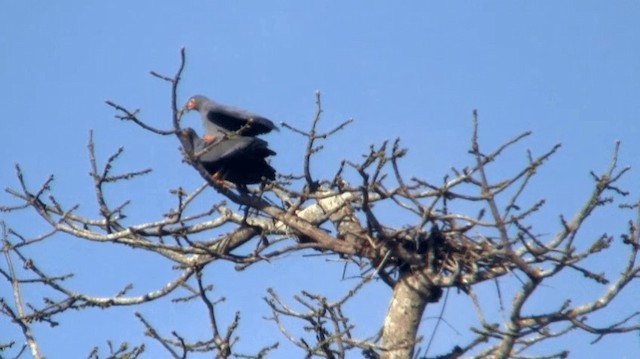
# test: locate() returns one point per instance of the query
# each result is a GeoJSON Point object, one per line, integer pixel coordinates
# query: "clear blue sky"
{"type": "Point", "coordinates": [567, 70]}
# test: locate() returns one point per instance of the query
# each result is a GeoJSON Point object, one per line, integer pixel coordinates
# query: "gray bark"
{"type": "Point", "coordinates": [410, 296]}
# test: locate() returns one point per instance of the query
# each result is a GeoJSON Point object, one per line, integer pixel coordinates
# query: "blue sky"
{"type": "Point", "coordinates": [568, 70]}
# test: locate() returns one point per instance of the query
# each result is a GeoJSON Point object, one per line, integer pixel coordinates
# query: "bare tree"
{"type": "Point", "coordinates": [436, 249]}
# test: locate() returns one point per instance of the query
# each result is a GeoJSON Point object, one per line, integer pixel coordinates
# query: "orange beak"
{"type": "Point", "coordinates": [191, 104]}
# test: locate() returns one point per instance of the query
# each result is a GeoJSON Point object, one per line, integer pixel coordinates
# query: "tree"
{"type": "Point", "coordinates": [435, 250]}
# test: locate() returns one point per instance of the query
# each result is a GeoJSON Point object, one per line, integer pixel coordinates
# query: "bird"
{"type": "Point", "coordinates": [239, 159]}
{"type": "Point", "coordinates": [223, 120]}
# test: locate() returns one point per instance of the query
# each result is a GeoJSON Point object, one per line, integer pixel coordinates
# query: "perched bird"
{"type": "Point", "coordinates": [221, 119]}
{"type": "Point", "coordinates": [238, 159]}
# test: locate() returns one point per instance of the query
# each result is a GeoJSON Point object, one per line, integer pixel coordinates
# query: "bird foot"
{"type": "Point", "coordinates": [218, 180]}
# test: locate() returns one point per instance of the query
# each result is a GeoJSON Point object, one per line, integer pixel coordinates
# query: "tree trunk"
{"type": "Point", "coordinates": [410, 296]}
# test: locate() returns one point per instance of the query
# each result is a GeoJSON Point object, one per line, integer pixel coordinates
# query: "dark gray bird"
{"type": "Point", "coordinates": [239, 159]}
{"type": "Point", "coordinates": [221, 119]}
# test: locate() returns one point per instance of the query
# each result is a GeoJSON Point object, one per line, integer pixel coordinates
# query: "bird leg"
{"type": "Point", "coordinates": [208, 138]}
{"type": "Point", "coordinates": [218, 180]}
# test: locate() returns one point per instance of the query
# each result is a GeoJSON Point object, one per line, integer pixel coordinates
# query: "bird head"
{"type": "Point", "coordinates": [195, 102]}
{"type": "Point", "coordinates": [189, 139]}
{"type": "Point", "coordinates": [187, 133]}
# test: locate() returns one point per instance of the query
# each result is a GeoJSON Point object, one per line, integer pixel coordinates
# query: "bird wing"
{"type": "Point", "coordinates": [233, 119]}
{"type": "Point", "coordinates": [223, 150]}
